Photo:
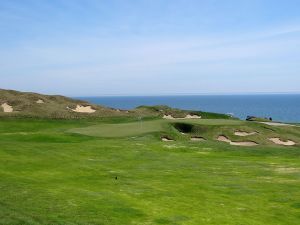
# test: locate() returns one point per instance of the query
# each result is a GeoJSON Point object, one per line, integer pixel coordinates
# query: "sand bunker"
{"type": "Point", "coordinates": [166, 139]}
{"type": "Point", "coordinates": [278, 141]}
{"type": "Point", "coordinates": [84, 109]}
{"type": "Point", "coordinates": [189, 116]}
{"type": "Point", "coordinates": [278, 124]}
{"type": "Point", "coordinates": [197, 139]}
{"type": "Point", "coordinates": [244, 133]}
{"type": "Point", "coordinates": [244, 143]}
{"type": "Point", "coordinates": [7, 108]}
{"type": "Point", "coordinates": [192, 117]}
{"type": "Point", "coordinates": [223, 139]}
{"type": "Point", "coordinates": [40, 101]}
{"type": "Point", "coordinates": [168, 117]}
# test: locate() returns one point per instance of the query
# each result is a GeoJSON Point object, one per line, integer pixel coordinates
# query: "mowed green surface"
{"type": "Point", "coordinates": [121, 129]}
{"type": "Point", "coordinates": [49, 176]}
{"type": "Point", "coordinates": [144, 127]}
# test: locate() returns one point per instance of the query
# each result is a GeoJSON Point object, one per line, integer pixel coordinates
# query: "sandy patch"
{"type": "Point", "coordinates": [223, 139]}
{"type": "Point", "coordinates": [198, 139]}
{"type": "Point", "coordinates": [189, 116]}
{"type": "Point", "coordinates": [277, 124]}
{"type": "Point", "coordinates": [278, 141]}
{"type": "Point", "coordinates": [166, 139]}
{"type": "Point", "coordinates": [40, 101]}
{"type": "Point", "coordinates": [192, 117]}
{"type": "Point", "coordinates": [243, 143]}
{"type": "Point", "coordinates": [168, 117]}
{"type": "Point", "coordinates": [244, 133]}
{"type": "Point", "coordinates": [84, 109]}
{"type": "Point", "coordinates": [7, 108]}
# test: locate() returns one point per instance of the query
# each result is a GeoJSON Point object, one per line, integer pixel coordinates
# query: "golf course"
{"type": "Point", "coordinates": [152, 165]}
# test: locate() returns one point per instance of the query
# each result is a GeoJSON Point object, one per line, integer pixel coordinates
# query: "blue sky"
{"type": "Point", "coordinates": [150, 47]}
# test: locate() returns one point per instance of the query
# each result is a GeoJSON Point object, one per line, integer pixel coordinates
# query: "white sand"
{"type": "Point", "coordinates": [244, 133]}
{"type": "Point", "coordinates": [244, 143]}
{"type": "Point", "coordinates": [192, 117]}
{"type": "Point", "coordinates": [278, 124]}
{"type": "Point", "coordinates": [223, 139]}
{"type": "Point", "coordinates": [84, 109]}
{"type": "Point", "coordinates": [166, 139]}
{"type": "Point", "coordinates": [7, 108]}
{"type": "Point", "coordinates": [278, 141]}
{"type": "Point", "coordinates": [189, 116]}
{"type": "Point", "coordinates": [197, 139]}
{"type": "Point", "coordinates": [40, 101]}
{"type": "Point", "coordinates": [168, 117]}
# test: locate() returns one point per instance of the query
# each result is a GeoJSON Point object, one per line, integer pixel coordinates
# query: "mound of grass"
{"type": "Point", "coordinates": [161, 110]}
{"type": "Point", "coordinates": [33, 105]}
{"type": "Point", "coordinates": [56, 107]}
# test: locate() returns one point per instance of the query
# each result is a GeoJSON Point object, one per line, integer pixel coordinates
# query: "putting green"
{"type": "Point", "coordinates": [122, 129]}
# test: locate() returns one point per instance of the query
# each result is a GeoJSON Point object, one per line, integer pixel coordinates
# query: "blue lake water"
{"type": "Point", "coordinates": [281, 107]}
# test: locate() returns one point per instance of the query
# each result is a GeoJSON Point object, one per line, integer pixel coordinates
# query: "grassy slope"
{"type": "Point", "coordinates": [25, 105]}
{"type": "Point", "coordinates": [50, 176]}
{"type": "Point", "coordinates": [59, 107]}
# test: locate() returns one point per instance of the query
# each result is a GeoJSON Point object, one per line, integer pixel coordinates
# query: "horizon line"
{"type": "Point", "coordinates": [189, 94]}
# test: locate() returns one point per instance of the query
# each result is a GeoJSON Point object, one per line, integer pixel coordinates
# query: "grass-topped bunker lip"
{"type": "Point", "coordinates": [183, 127]}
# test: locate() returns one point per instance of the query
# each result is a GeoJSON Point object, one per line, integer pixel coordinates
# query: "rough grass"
{"type": "Point", "coordinates": [25, 105]}
{"type": "Point", "coordinates": [49, 176]}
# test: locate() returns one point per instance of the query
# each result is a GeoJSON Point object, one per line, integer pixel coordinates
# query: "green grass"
{"type": "Point", "coordinates": [121, 129]}
{"type": "Point", "coordinates": [143, 127]}
{"type": "Point", "coordinates": [213, 121]}
{"type": "Point", "coordinates": [51, 176]}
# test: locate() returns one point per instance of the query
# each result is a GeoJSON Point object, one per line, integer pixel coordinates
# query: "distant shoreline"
{"type": "Point", "coordinates": [281, 107]}
{"type": "Point", "coordinates": [170, 95]}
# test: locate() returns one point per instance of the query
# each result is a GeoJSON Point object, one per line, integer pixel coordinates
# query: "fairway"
{"type": "Point", "coordinates": [52, 176]}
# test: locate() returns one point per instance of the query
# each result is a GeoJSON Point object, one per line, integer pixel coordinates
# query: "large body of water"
{"type": "Point", "coordinates": [281, 107]}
